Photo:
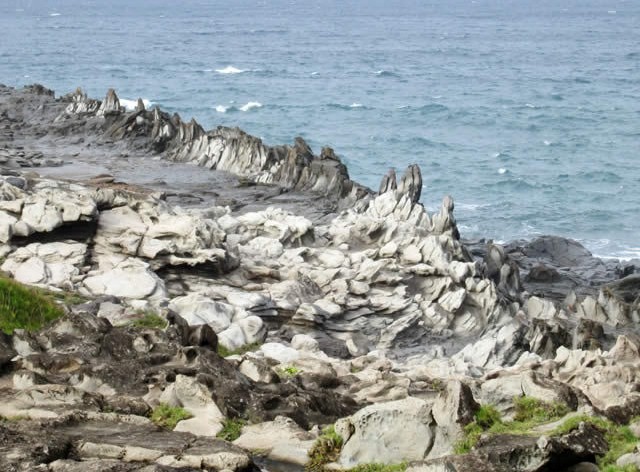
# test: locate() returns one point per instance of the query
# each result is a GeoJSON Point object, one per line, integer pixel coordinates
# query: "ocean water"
{"type": "Point", "coordinates": [527, 112]}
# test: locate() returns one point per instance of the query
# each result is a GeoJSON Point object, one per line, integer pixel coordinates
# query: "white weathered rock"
{"type": "Point", "coordinates": [390, 433]}
{"type": "Point", "coordinates": [52, 264]}
{"type": "Point", "coordinates": [303, 342]}
{"type": "Point", "coordinates": [131, 279]}
{"type": "Point", "coordinates": [197, 309]}
{"type": "Point", "coordinates": [258, 369]}
{"type": "Point", "coordinates": [282, 440]}
{"type": "Point", "coordinates": [280, 352]}
{"type": "Point", "coordinates": [253, 328]}
{"type": "Point", "coordinates": [194, 397]}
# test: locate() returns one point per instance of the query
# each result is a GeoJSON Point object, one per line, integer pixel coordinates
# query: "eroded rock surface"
{"type": "Point", "coordinates": [354, 306]}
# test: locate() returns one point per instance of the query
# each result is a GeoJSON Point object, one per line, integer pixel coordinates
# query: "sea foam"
{"type": "Point", "coordinates": [250, 105]}
{"type": "Point", "coordinates": [230, 70]}
{"type": "Point", "coordinates": [130, 105]}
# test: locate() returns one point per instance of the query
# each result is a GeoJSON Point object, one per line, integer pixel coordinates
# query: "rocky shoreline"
{"type": "Point", "coordinates": [288, 298]}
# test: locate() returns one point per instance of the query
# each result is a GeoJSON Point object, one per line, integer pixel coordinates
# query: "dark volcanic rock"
{"type": "Point", "coordinates": [78, 442]}
{"type": "Point", "coordinates": [78, 131]}
{"type": "Point", "coordinates": [507, 453]}
{"type": "Point", "coordinates": [553, 266]}
{"type": "Point", "coordinates": [81, 349]}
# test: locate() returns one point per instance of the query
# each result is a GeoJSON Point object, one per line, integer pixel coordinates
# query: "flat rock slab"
{"type": "Point", "coordinates": [29, 442]}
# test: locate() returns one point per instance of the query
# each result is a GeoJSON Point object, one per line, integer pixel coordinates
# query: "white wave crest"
{"type": "Point", "coordinates": [502, 170]}
{"type": "Point", "coordinates": [221, 108]}
{"type": "Point", "coordinates": [250, 105]}
{"type": "Point", "coordinates": [230, 70]}
{"type": "Point", "coordinates": [314, 73]}
{"type": "Point", "coordinates": [356, 105]}
{"type": "Point", "coordinates": [130, 105]}
{"type": "Point", "coordinates": [54, 14]}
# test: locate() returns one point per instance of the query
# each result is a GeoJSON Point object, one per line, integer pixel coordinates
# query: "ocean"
{"type": "Point", "coordinates": [526, 112]}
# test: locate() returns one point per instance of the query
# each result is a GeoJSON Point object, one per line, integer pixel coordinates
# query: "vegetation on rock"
{"type": "Point", "coordinates": [529, 413]}
{"type": "Point", "coordinates": [231, 429]}
{"type": "Point", "coordinates": [619, 437]}
{"type": "Point", "coordinates": [168, 416]}
{"type": "Point", "coordinates": [380, 467]}
{"type": "Point", "coordinates": [532, 410]}
{"type": "Point", "coordinates": [150, 320]}
{"type": "Point", "coordinates": [289, 371]}
{"type": "Point", "coordinates": [225, 352]}
{"type": "Point", "coordinates": [326, 449]}
{"type": "Point", "coordinates": [23, 307]}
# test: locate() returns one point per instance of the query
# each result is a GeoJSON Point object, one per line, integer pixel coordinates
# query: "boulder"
{"type": "Point", "coordinates": [280, 440]}
{"type": "Point", "coordinates": [389, 432]}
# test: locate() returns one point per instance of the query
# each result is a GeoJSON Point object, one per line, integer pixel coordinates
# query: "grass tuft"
{"type": "Point", "coordinates": [326, 449]}
{"type": "Point", "coordinates": [487, 416]}
{"type": "Point", "coordinates": [23, 307]}
{"type": "Point", "coordinates": [289, 371]}
{"type": "Point", "coordinates": [168, 416]}
{"type": "Point", "coordinates": [529, 409]}
{"type": "Point", "coordinates": [231, 429]}
{"type": "Point", "coordinates": [375, 467]}
{"type": "Point", "coordinates": [149, 320]}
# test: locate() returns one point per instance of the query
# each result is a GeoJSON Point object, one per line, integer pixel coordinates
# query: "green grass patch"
{"type": "Point", "coordinates": [326, 449]}
{"type": "Point", "coordinates": [231, 429]}
{"type": "Point", "coordinates": [168, 416]}
{"type": "Point", "coordinates": [530, 412]}
{"type": "Point", "coordinates": [487, 416]}
{"type": "Point", "coordinates": [619, 437]}
{"type": "Point", "coordinates": [224, 352]}
{"type": "Point", "coordinates": [289, 371]}
{"type": "Point", "coordinates": [23, 307]}
{"type": "Point", "coordinates": [615, 468]}
{"type": "Point", "coordinates": [149, 320]}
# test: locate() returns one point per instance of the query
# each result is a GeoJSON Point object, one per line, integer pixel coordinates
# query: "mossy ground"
{"type": "Point", "coordinates": [168, 416]}
{"type": "Point", "coordinates": [23, 307]}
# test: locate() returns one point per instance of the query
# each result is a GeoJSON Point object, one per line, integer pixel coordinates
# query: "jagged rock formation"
{"type": "Point", "coordinates": [355, 298]}
{"type": "Point", "coordinates": [291, 167]}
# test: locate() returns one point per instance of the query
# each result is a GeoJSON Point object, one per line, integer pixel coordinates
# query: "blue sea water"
{"type": "Point", "coordinates": [527, 112]}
